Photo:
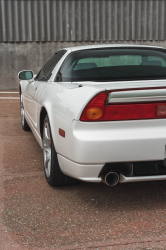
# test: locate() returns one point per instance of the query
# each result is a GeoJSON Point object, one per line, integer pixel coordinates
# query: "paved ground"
{"type": "Point", "coordinates": [34, 215]}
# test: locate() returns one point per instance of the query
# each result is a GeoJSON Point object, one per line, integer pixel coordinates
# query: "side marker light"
{"type": "Point", "coordinates": [62, 132]}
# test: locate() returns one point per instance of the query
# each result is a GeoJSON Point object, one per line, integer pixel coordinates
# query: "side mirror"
{"type": "Point", "coordinates": [26, 75]}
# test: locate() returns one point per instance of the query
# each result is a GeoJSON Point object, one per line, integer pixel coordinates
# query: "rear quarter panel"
{"type": "Point", "coordinates": [63, 105]}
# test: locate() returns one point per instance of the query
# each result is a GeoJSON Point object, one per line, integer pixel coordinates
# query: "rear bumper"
{"type": "Point", "coordinates": [93, 145]}
{"type": "Point", "coordinates": [84, 172]}
{"type": "Point", "coordinates": [119, 141]}
{"type": "Point", "coordinates": [90, 173]}
{"type": "Point", "coordinates": [124, 179]}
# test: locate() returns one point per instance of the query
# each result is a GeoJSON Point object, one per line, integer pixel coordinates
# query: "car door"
{"type": "Point", "coordinates": [31, 106]}
{"type": "Point", "coordinates": [37, 87]}
{"type": "Point", "coordinates": [29, 101]}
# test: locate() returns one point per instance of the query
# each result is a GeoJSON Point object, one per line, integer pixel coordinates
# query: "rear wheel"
{"type": "Point", "coordinates": [24, 123]}
{"type": "Point", "coordinates": [53, 173]}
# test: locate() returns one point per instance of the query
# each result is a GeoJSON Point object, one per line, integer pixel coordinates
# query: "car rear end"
{"type": "Point", "coordinates": [120, 134]}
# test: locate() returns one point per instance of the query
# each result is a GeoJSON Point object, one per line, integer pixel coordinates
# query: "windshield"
{"type": "Point", "coordinates": [114, 64]}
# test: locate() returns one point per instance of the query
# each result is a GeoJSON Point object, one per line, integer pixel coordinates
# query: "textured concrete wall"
{"type": "Point", "coordinates": [82, 20]}
{"type": "Point", "coordinates": [19, 56]}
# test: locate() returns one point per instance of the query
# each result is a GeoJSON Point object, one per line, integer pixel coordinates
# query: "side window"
{"type": "Point", "coordinates": [45, 73]}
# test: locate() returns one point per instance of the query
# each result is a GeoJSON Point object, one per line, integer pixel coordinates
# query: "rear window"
{"type": "Point", "coordinates": [114, 64]}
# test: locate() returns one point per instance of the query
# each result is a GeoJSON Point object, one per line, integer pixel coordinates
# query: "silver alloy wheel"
{"type": "Point", "coordinates": [22, 112]}
{"type": "Point", "coordinates": [47, 149]}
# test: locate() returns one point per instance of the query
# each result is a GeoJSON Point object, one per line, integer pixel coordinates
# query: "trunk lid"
{"type": "Point", "coordinates": [132, 91]}
{"type": "Point", "coordinates": [125, 84]}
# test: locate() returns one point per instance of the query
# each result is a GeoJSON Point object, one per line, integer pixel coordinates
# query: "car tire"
{"type": "Point", "coordinates": [53, 173]}
{"type": "Point", "coordinates": [24, 123]}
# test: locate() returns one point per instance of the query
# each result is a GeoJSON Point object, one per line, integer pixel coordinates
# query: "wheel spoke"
{"type": "Point", "coordinates": [49, 155]}
{"type": "Point", "coordinates": [47, 149]}
{"type": "Point", "coordinates": [47, 163]}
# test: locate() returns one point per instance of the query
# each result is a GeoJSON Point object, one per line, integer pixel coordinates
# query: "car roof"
{"type": "Point", "coordinates": [84, 47]}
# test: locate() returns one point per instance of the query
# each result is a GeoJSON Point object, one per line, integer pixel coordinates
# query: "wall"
{"type": "Point", "coordinates": [82, 20]}
{"type": "Point", "coordinates": [32, 30]}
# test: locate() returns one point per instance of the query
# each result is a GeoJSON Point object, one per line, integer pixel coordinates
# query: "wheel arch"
{"type": "Point", "coordinates": [46, 109]}
{"type": "Point", "coordinates": [43, 114]}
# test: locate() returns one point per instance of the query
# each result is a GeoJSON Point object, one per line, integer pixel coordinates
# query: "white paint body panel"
{"type": "Point", "coordinates": [124, 179]}
{"type": "Point", "coordinates": [87, 146]}
{"type": "Point", "coordinates": [118, 141]}
{"type": "Point", "coordinates": [84, 172]}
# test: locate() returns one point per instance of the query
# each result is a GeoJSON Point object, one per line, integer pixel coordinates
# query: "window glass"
{"type": "Point", "coordinates": [114, 64]}
{"type": "Point", "coordinates": [45, 73]}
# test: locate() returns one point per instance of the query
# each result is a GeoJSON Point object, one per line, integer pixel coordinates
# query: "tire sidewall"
{"type": "Point", "coordinates": [25, 126]}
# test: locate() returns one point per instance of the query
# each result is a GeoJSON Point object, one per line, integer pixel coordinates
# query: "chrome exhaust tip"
{"type": "Point", "coordinates": [111, 179]}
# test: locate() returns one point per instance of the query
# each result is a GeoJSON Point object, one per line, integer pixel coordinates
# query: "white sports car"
{"type": "Point", "coordinates": [99, 113]}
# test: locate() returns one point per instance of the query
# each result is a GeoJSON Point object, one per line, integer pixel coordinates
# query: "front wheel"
{"type": "Point", "coordinates": [53, 173]}
{"type": "Point", "coordinates": [24, 123]}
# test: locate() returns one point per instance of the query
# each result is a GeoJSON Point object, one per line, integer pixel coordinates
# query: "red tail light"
{"type": "Point", "coordinates": [98, 110]}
